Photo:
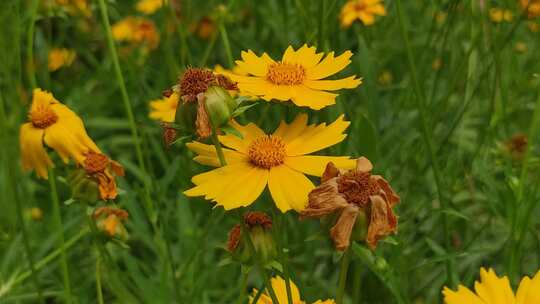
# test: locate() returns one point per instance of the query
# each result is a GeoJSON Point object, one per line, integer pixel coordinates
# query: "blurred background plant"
{"type": "Point", "coordinates": [448, 116]}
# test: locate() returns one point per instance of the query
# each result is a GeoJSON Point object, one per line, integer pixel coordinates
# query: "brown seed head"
{"type": "Point", "coordinates": [357, 187]}
{"type": "Point", "coordinates": [95, 162]}
{"type": "Point", "coordinates": [256, 218]}
{"type": "Point", "coordinates": [195, 81]}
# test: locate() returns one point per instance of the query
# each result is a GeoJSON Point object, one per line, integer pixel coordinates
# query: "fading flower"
{"type": "Point", "coordinates": [363, 10]}
{"type": "Point", "coordinates": [279, 286]}
{"type": "Point", "coordinates": [360, 198]}
{"type": "Point", "coordinates": [532, 7]}
{"type": "Point", "coordinates": [110, 221]}
{"type": "Point", "coordinates": [136, 30]}
{"type": "Point", "coordinates": [259, 230]}
{"type": "Point", "coordinates": [55, 125]}
{"type": "Point", "coordinates": [103, 171]}
{"type": "Point", "coordinates": [149, 7]}
{"type": "Point", "coordinates": [59, 57]}
{"type": "Point", "coordinates": [298, 77]}
{"type": "Point", "coordinates": [492, 289]}
{"type": "Point", "coordinates": [278, 160]}
{"type": "Point", "coordinates": [499, 15]}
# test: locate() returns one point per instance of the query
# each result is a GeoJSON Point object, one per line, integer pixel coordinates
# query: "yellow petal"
{"type": "Point", "coordinates": [231, 186]}
{"type": "Point", "coordinates": [309, 56]}
{"type": "Point", "coordinates": [207, 154]}
{"type": "Point", "coordinates": [289, 188]}
{"type": "Point", "coordinates": [253, 64]}
{"type": "Point", "coordinates": [315, 165]}
{"type": "Point", "coordinates": [377, 9]}
{"type": "Point", "coordinates": [332, 85]}
{"type": "Point", "coordinates": [74, 123]}
{"type": "Point", "coordinates": [289, 132]}
{"type": "Point", "coordinates": [249, 133]}
{"type": "Point", "coordinates": [367, 18]}
{"type": "Point", "coordinates": [492, 289]}
{"type": "Point", "coordinates": [462, 296]}
{"type": "Point", "coordinates": [329, 301]}
{"type": "Point", "coordinates": [315, 138]}
{"type": "Point", "coordinates": [280, 288]}
{"type": "Point", "coordinates": [65, 143]}
{"type": "Point", "coordinates": [529, 290]}
{"type": "Point", "coordinates": [33, 154]}
{"type": "Point", "coordinates": [314, 99]}
{"type": "Point", "coordinates": [329, 66]}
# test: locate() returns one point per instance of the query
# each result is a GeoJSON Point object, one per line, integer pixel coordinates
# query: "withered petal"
{"type": "Point", "coordinates": [391, 195]}
{"type": "Point", "coordinates": [324, 200]}
{"type": "Point", "coordinates": [204, 130]}
{"type": "Point", "coordinates": [331, 171]}
{"type": "Point", "coordinates": [363, 165]}
{"type": "Point", "coordinates": [341, 232]}
{"type": "Point", "coordinates": [117, 168]}
{"type": "Point", "coordinates": [382, 222]}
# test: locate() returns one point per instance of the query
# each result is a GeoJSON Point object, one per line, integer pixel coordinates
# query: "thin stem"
{"type": "Point", "coordinates": [345, 261]}
{"type": "Point", "coordinates": [269, 286]}
{"type": "Point", "coordinates": [219, 149]}
{"type": "Point", "coordinates": [51, 256]}
{"type": "Point", "coordinates": [357, 281]}
{"type": "Point", "coordinates": [99, 290]}
{"type": "Point", "coordinates": [243, 287]}
{"type": "Point", "coordinates": [60, 231]}
{"type": "Point", "coordinates": [30, 45]}
{"type": "Point", "coordinates": [226, 44]}
{"type": "Point", "coordinates": [427, 136]}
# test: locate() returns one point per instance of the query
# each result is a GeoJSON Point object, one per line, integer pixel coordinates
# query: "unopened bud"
{"type": "Point", "coordinates": [110, 221]}
{"type": "Point", "coordinates": [258, 226]}
{"type": "Point", "coordinates": [219, 105]}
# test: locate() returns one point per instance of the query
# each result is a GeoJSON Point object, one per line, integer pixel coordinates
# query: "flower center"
{"type": "Point", "coordinates": [42, 116]}
{"type": "Point", "coordinates": [95, 162]}
{"type": "Point", "coordinates": [357, 187]}
{"type": "Point", "coordinates": [267, 151]}
{"type": "Point", "coordinates": [360, 7]}
{"type": "Point", "coordinates": [282, 73]}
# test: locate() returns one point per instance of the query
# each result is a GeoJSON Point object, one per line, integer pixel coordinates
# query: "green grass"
{"type": "Point", "coordinates": [437, 135]}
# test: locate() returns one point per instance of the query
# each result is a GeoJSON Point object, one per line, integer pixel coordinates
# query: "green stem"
{"type": "Point", "coordinates": [30, 45]}
{"type": "Point", "coordinates": [243, 287]}
{"type": "Point", "coordinates": [427, 136]}
{"type": "Point", "coordinates": [357, 281]}
{"type": "Point", "coordinates": [51, 256]}
{"type": "Point", "coordinates": [345, 261]}
{"type": "Point", "coordinates": [226, 44]}
{"type": "Point", "coordinates": [99, 290]}
{"type": "Point", "coordinates": [267, 279]}
{"type": "Point", "coordinates": [60, 231]}
{"type": "Point", "coordinates": [219, 149]}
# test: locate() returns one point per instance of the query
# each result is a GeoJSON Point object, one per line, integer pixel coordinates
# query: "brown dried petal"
{"type": "Point", "coordinates": [391, 195]}
{"type": "Point", "coordinates": [341, 232]}
{"type": "Point", "coordinates": [363, 165]}
{"type": "Point", "coordinates": [234, 238]}
{"type": "Point", "coordinates": [257, 218]}
{"type": "Point", "coordinates": [117, 168]}
{"type": "Point", "coordinates": [324, 200]}
{"type": "Point", "coordinates": [204, 130]}
{"type": "Point", "coordinates": [382, 222]}
{"type": "Point", "coordinates": [331, 171]}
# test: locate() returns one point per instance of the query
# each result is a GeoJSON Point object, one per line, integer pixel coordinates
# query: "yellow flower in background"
{"type": "Point", "coordinates": [205, 28]}
{"type": "Point", "coordinates": [533, 26]}
{"type": "Point", "coordinates": [297, 77]}
{"type": "Point", "coordinates": [280, 288]}
{"type": "Point", "coordinates": [532, 7]}
{"type": "Point", "coordinates": [363, 10]}
{"type": "Point", "coordinates": [54, 124]}
{"type": "Point", "coordinates": [59, 57]}
{"type": "Point", "coordinates": [149, 7]}
{"type": "Point", "coordinates": [494, 290]}
{"type": "Point", "coordinates": [164, 109]}
{"type": "Point", "coordinates": [75, 7]}
{"type": "Point", "coordinates": [499, 15]}
{"type": "Point", "coordinates": [136, 30]}
{"type": "Point", "coordinates": [278, 160]}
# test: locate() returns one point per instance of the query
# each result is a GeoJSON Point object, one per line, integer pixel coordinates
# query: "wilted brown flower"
{"type": "Point", "coordinates": [109, 220]}
{"type": "Point", "coordinates": [355, 195]}
{"type": "Point", "coordinates": [258, 226]}
{"type": "Point", "coordinates": [103, 170]}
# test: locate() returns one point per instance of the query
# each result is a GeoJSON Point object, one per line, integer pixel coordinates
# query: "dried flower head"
{"type": "Point", "coordinates": [517, 145]}
{"type": "Point", "coordinates": [355, 194]}
{"type": "Point", "coordinates": [195, 81]}
{"type": "Point", "coordinates": [258, 226]}
{"type": "Point", "coordinates": [103, 171]}
{"type": "Point", "coordinates": [110, 219]}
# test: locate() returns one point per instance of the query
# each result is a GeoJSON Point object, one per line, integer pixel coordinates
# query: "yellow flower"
{"type": "Point", "coordinates": [297, 77]}
{"type": "Point", "coordinates": [532, 7]}
{"type": "Point", "coordinates": [58, 127]}
{"type": "Point", "coordinates": [76, 7]}
{"type": "Point", "coordinates": [59, 57]}
{"type": "Point", "coordinates": [494, 290]}
{"type": "Point", "coordinates": [499, 15]}
{"type": "Point", "coordinates": [364, 10]}
{"type": "Point", "coordinates": [164, 109]}
{"type": "Point", "coordinates": [280, 288]}
{"type": "Point", "coordinates": [136, 30]}
{"type": "Point", "coordinates": [278, 160]}
{"type": "Point", "coordinates": [149, 7]}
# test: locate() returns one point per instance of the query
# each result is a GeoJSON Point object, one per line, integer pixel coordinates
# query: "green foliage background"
{"type": "Point", "coordinates": [485, 92]}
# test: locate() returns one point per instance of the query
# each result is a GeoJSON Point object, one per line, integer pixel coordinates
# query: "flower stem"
{"type": "Point", "coordinates": [30, 44]}
{"type": "Point", "coordinates": [99, 290]}
{"type": "Point", "coordinates": [219, 149]}
{"type": "Point", "coordinates": [427, 137]}
{"type": "Point", "coordinates": [345, 261]}
{"type": "Point", "coordinates": [60, 231]}
{"type": "Point", "coordinates": [243, 286]}
{"type": "Point", "coordinates": [226, 44]}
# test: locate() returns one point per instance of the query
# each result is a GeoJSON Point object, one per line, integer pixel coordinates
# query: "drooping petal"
{"type": "Point", "coordinates": [461, 296]}
{"type": "Point", "coordinates": [329, 66]}
{"type": "Point", "coordinates": [207, 154]}
{"type": "Point", "coordinates": [341, 232]}
{"type": "Point", "coordinates": [65, 143]}
{"type": "Point", "coordinates": [74, 123]}
{"type": "Point", "coordinates": [382, 221]}
{"type": "Point", "coordinates": [324, 200]}
{"type": "Point", "coordinates": [492, 289]}
{"type": "Point", "coordinates": [332, 85]}
{"type": "Point", "coordinates": [33, 154]}
{"type": "Point", "coordinates": [529, 290]}
{"type": "Point", "coordinates": [315, 165]}
{"type": "Point", "coordinates": [289, 188]}
{"type": "Point", "coordinates": [315, 138]}
{"type": "Point", "coordinates": [231, 186]}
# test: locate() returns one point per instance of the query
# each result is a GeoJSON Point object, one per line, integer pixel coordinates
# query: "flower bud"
{"type": "Point", "coordinates": [83, 188]}
{"type": "Point", "coordinates": [219, 105]}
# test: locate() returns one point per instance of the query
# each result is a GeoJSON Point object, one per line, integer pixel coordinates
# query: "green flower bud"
{"type": "Point", "coordinates": [83, 188]}
{"type": "Point", "coordinates": [219, 105]}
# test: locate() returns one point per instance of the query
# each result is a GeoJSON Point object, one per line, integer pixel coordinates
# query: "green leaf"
{"type": "Point", "coordinates": [238, 111]}
{"type": "Point", "coordinates": [228, 129]}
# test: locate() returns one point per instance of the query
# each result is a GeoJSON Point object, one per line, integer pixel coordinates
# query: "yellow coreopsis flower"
{"type": "Point", "coordinates": [499, 15]}
{"type": "Point", "coordinates": [76, 7]}
{"type": "Point", "coordinates": [59, 57]}
{"type": "Point", "coordinates": [278, 160]}
{"type": "Point", "coordinates": [363, 10]}
{"type": "Point", "coordinates": [136, 30]}
{"type": "Point", "coordinates": [494, 290]}
{"type": "Point", "coordinates": [298, 77]}
{"type": "Point", "coordinates": [149, 7]}
{"type": "Point", "coordinates": [280, 288]}
{"type": "Point", "coordinates": [59, 128]}
{"type": "Point", "coordinates": [164, 109]}
{"type": "Point", "coordinates": [532, 7]}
